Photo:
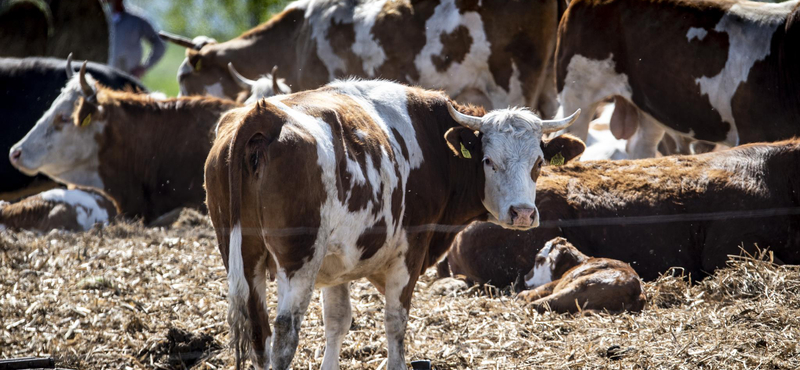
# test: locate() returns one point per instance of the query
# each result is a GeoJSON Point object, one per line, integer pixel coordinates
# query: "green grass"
{"type": "Point", "coordinates": [164, 76]}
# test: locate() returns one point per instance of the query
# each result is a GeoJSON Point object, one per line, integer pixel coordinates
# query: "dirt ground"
{"type": "Point", "coordinates": [130, 297]}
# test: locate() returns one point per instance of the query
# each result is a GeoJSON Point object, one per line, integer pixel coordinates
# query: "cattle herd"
{"type": "Point", "coordinates": [374, 139]}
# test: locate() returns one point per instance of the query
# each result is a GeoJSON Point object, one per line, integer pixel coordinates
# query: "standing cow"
{"type": "Point", "coordinates": [494, 54]}
{"type": "Point", "coordinates": [718, 71]}
{"type": "Point", "coordinates": [27, 89]}
{"type": "Point", "coordinates": [146, 154]}
{"type": "Point", "coordinates": [351, 181]}
{"type": "Point", "coordinates": [686, 211]}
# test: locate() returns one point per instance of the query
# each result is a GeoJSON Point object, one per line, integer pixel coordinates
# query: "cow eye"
{"type": "Point", "coordinates": [487, 161]}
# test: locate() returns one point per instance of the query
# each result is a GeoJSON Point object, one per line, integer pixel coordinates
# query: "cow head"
{"type": "Point", "coordinates": [512, 153]}
{"type": "Point", "coordinates": [552, 261]}
{"type": "Point", "coordinates": [254, 90]}
{"type": "Point", "coordinates": [203, 72]}
{"type": "Point", "coordinates": [62, 143]}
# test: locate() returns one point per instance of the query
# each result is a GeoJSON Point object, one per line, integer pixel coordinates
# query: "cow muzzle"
{"type": "Point", "coordinates": [524, 216]}
{"type": "Point", "coordinates": [16, 158]}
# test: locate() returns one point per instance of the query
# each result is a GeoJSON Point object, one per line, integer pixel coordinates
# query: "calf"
{"type": "Point", "coordinates": [718, 71]}
{"type": "Point", "coordinates": [72, 210]}
{"type": "Point", "coordinates": [146, 154]}
{"type": "Point", "coordinates": [352, 181]}
{"type": "Point", "coordinates": [687, 211]}
{"type": "Point", "coordinates": [566, 281]}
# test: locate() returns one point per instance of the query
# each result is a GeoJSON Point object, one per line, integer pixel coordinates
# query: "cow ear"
{"type": "Point", "coordinates": [195, 59]}
{"type": "Point", "coordinates": [85, 112]}
{"type": "Point", "coordinates": [562, 149]}
{"type": "Point", "coordinates": [464, 142]}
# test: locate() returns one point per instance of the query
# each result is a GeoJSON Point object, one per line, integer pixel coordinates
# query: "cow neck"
{"type": "Point", "coordinates": [272, 43]}
{"type": "Point", "coordinates": [466, 182]}
{"type": "Point", "coordinates": [152, 152]}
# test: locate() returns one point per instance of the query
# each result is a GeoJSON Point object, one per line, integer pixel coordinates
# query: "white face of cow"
{"type": "Point", "coordinates": [513, 155]}
{"type": "Point", "coordinates": [59, 147]}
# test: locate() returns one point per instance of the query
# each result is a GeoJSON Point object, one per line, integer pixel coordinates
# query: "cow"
{"type": "Point", "coordinates": [685, 211]}
{"type": "Point", "coordinates": [718, 71]}
{"type": "Point", "coordinates": [496, 54]}
{"type": "Point", "coordinates": [253, 90]}
{"type": "Point", "coordinates": [146, 154]}
{"type": "Point", "coordinates": [71, 210]}
{"type": "Point", "coordinates": [28, 87]}
{"type": "Point", "coordinates": [359, 179]}
{"type": "Point", "coordinates": [567, 281]}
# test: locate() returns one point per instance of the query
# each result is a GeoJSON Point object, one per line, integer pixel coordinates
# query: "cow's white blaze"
{"type": "Point", "coordinates": [86, 205]}
{"type": "Point", "coordinates": [749, 43]}
{"type": "Point", "coordinates": [542, 272]}
{"type": "Point", "coordinates": [58, 148]}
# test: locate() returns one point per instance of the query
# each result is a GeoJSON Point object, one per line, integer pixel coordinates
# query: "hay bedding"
{"type": "Point", "coordinates": [129, 297]}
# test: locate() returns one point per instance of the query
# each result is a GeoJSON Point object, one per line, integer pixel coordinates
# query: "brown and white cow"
{"type": "Point", "coordinates": [72, 210]}
{"type": "Point", "coordinates": [714, 70]}
{"type": "Point", "coordinates": [146, 154]}
{"type": "Point", "coordinates": [567, 281]}
{"type": "Point", "coordinates": [359, 179]}
{"type": "Point", "coordinates": [489, 53]}
{"type": "Point", "coordinates": [687, 211]}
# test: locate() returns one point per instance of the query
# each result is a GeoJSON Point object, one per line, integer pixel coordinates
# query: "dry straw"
{"type": "Point", "coordinates": [129, 297]}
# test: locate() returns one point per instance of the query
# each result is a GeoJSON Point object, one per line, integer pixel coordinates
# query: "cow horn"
{"type": "Point", "coordinates": [242, 81]}
{"type": "Point", "coordinates": [275, 88]}
{"type": "Point", "coordinates": [470, 122]}
{"type": "Point", "coordinates": [176, 39]}
{"type": "Point", "coordinates": [85, 88]}
{"type": "Point", "coordinates": [70, 71]}
{"type": "Point", "coordinates": [549, 126]}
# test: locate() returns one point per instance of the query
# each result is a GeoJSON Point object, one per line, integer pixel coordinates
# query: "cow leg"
{"type": "Point", "coordinates": [644, 143]}
{"type": "Point", "coordinates": [538, 292]}
{"type": "Point", "coordinates": [337, 316]}
{"type": "Point", "coordinates": [399, 285]}
{"type": "Point", "coordinates": [547, 103]}
{"type": "Point", "coordinates": [294, 294]}
{"type": "Point", "coordinates": [257, 307]}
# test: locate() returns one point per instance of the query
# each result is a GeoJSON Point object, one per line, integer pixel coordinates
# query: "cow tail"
{"type": "Point", "coordinates": [238, 287]}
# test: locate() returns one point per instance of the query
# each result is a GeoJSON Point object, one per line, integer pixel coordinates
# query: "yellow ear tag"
{"type": "Point", "coordinates": [557, 160]}
{"type": "Point", "coordinates": [465, 152]}
{"type": "Point", "coordinates": [198, 65]}
{"type": "Point", "coordinates": [86, 120]}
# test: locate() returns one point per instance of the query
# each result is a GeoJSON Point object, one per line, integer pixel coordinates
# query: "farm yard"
{"type": "Point", "coordinates": [491, 184]}
{"type": "Point", "coordinates": [131, 297]}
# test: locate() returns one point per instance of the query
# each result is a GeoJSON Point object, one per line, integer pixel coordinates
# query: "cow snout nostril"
{"type": "Point", "coordinates": [522, 216]}
{"type": "Point", "coordinates": [15, 155]}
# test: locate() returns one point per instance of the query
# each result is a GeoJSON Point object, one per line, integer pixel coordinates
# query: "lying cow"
{"type": "Point", "coordinates": [146, 154]}
{"type": "Point", "coordinates": [72, 210]}
{"type": "Point", "coordinates": [28, 87]}
{"type": "Point", "coordinates": [350, 181]}
{"type": "Point", "coordinates": [491, 54]}
{"type": "Point", "coordinates": [567, 281]}
{"type": "Point", "coordinates": [687, 211]}
{"type": "Point", "coordinates": [253, 90]}
{"type": "Point", "coordinates": [719, 71]}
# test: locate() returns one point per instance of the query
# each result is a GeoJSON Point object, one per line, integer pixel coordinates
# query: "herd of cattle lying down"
{"type": "Point", "coordinates": [350, 178]}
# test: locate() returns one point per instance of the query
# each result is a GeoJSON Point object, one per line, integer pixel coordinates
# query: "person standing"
{"type": "Point", "coordinates": [128, 30]}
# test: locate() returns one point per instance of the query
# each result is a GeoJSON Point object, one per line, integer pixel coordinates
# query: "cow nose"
{"type": "Point", "coordinates": [14, 155]}
{"type": "Point", "coordinates": [522, 216]}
